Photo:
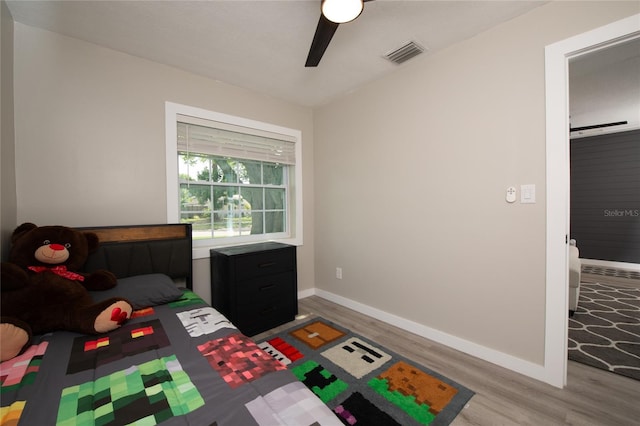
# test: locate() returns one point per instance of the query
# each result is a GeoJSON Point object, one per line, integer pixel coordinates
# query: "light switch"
{"type": "Point", "coordinates": [528, 194]}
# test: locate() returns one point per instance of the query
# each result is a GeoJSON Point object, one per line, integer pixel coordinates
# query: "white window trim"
{"type": "Point", "coordinates": [172, 110]}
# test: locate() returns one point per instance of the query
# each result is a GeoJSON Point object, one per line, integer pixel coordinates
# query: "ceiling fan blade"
{"type": "Point", "coordinates": [324, 33]}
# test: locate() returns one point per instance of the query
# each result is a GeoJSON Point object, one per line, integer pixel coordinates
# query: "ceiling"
{"type": "Point", "coordinates": [605, 87]}
{"type": "Point", "coordinates": [262, 45]}
{"type": "Point", "coordinates": [617, 54]}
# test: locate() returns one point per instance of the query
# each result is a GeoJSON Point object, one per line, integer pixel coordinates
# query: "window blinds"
{"type": "Point", "coordinates": [227, 140]}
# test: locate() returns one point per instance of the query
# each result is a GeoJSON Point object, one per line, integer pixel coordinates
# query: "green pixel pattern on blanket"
{"type": "Point", "coordinates": [188, 298]}
{"type": "Point", "coordinates": [147, 394]}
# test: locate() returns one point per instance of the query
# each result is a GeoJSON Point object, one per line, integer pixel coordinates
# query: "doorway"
{"type": "Point", "coordinates": [557, 58]}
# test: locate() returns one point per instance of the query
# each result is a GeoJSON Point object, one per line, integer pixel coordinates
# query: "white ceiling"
{"type": "Point", "coordinates": [605, 87]}
{"type": "Point", "coordinates": [262, 45]}
{"type": "Point", "coordinates": [614, 55]}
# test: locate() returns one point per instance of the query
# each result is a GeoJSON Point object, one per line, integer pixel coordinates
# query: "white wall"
{"type": "Point", "coordinates": [8, 210]}
{"type": "Point", "coordinates": [90, 143]}
{"type": "Point", "coordinates": [412, 173]}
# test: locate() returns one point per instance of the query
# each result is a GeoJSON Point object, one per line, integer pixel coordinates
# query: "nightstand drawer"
{"type": "Point", "coordinates": [258, 317]}
{"type": "Point", "coordinates": [265, 263]}
{"type": "Point", "coordinates": [269, 287]}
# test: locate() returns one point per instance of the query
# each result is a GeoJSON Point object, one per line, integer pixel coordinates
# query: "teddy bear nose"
{"type": "Point", "coordinates": [56, 247]}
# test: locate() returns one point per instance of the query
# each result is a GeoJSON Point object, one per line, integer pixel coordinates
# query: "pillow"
{"type": "Point", "coordinates": [142, 291]}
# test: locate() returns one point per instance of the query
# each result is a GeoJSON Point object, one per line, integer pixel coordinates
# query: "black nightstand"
{"type": "Point", "coordinates": [255, 285]}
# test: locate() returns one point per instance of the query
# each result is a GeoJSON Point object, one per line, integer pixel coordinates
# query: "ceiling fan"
{"type": "Point", "coordinates": [333, 13]}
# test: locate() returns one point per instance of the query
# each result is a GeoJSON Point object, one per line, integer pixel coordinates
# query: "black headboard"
{"type": "Point", "coordinates": [143, 249]}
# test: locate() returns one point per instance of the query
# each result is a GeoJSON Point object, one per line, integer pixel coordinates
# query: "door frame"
{"type": "Point", "coordinates": [557, 57]}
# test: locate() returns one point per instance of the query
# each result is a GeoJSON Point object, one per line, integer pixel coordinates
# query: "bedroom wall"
{"type": "Point", "coordinates": [412, 172]}
{"type": "Point", "coordinates": [8, 209]}
{"type": "Point", "coordinates": [90, 137]}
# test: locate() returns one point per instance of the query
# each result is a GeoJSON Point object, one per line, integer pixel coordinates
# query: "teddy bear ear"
{"type": "Point", "coordinates": [92, 241]}
{"type": "Point", "coordinates": [21, 230]}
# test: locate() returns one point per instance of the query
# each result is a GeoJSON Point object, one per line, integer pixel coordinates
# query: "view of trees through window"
{"type": "Point", "coordinates": [231, 197]}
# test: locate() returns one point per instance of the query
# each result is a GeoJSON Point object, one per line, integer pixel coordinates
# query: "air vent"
{"type": "Point", "coordinates": [404, 53]}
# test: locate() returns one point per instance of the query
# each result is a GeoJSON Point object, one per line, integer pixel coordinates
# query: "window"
{"type": "Point", "coordinates": [235, 180]}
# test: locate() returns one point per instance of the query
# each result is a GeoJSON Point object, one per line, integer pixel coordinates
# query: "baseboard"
{"type": "Point", "coordinates": [493, 356]}
{"type": "Point", "coordinates": [611, 264]}
{"type": "Point", "coordinates": [306, 293]}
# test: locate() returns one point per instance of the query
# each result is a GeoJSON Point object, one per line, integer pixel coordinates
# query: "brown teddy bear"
{"type": "Point", "coordinates": [41, 290]}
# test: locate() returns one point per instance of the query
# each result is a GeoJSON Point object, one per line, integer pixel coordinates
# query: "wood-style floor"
{"type": "Point", "coordinates": [591, 397]}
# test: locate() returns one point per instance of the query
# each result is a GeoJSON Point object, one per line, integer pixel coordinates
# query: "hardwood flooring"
{"type": "Point", "coordinates": [591, 397]}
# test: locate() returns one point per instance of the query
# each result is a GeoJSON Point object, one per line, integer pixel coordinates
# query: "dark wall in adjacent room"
{"type": "Point", "coordinates": [605, 196]}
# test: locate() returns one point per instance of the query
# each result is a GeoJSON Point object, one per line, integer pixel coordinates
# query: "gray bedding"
{"type": "Point", "coordinates": [174, 363]}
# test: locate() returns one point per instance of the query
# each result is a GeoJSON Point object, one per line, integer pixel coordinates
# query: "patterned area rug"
{"type": "Point", "coordinates": [363, 382]}
{"type": "Point", "coordinates": [610, 275]}
{"type": "Point", "coordinates": [605, 330]}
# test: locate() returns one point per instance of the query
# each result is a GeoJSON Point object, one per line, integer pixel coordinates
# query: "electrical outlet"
{"type": "Point", "coordinates": [339, 273]}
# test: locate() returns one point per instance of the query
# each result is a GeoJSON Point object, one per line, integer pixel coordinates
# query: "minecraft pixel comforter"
{"type": "Point", "coordinates": [180, 363]}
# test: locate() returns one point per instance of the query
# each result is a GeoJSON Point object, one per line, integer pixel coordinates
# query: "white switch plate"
{"type": "Point", "coordinates": [528, 194]}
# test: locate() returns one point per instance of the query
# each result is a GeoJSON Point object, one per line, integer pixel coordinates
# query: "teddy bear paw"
{"type": "Point", "coordinates": [12, 340]}
{"type": "Point", "coordinates": [113, 316]}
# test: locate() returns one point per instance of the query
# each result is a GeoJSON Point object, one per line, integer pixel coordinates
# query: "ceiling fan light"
{"type": "Point", "coordinates": [341, 11]}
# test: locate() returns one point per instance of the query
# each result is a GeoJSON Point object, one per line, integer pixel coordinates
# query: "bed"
{"type": "Point", "coordinates": [177, 361]}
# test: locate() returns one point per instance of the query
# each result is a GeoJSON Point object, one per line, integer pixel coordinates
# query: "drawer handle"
{"type": "Point", "coordinates": [268, 310]}
{"type": "Point", "coordinates": [266, 265]}
{"type": "Point", "coordinates": [267, 287]}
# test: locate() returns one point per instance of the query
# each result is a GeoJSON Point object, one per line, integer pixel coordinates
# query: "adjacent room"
{"type": "Point", "coordinates": [410, 161]}
{"type": "Point", "coordinates": [604, 331]}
